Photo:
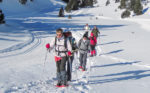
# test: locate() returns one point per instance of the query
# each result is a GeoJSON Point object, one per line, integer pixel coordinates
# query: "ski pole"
{"type": "Point", "coordinates": [45, 59]}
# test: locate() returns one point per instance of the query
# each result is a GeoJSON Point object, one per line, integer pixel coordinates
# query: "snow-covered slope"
{"type": "Point", "coordinates": [122, 61]}
{"type": "Point", "coordinates": [14, 8]}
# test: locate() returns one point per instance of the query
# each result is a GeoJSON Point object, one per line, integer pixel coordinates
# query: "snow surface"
{"type": "Point", "coordinates": [122, 64]}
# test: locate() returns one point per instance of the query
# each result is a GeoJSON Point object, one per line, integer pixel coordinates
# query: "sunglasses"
{"type": "Point", "coordinates": [59, 34]}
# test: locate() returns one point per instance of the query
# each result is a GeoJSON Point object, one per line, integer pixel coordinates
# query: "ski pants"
{"type": "Point", "coordinates": [61, 70]}
{"type": "Point", "coordinates": [69, 67]}
{"type": "Point", "coordinates": [83, 59]}
{"type": "Point", "coordinates": [93, 51]}
{"type": "Point", "coordinates": [92, 47]}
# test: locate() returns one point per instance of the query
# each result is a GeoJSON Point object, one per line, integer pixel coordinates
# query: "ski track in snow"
{"type": "Point", "coordinates": [33, 39]}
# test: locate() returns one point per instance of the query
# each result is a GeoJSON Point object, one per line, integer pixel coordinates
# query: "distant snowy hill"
{"type": "Point", "coordinates": [14, 8]}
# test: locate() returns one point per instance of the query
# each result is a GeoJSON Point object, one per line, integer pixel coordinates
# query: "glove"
{"type": "Point", "coordinates": [48, 46]}
{"type": "Point", "coordinates": [69, 53]}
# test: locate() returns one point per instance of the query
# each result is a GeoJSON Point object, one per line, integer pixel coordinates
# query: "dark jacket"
{"type": "Point", "coordinates": [95, 32]}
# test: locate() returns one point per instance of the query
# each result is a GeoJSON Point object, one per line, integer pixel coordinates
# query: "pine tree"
{"type": "Point", "coordinates": [72, 5]}
{"type": "Point", "coordinates": [86, 3]}
{"type": "Point", "coordinates": [2, 20]}
{"type": "Point", "coordinates": [125, 14]}
{"type": "Point", "coordinates": [94, 1]}
{"type": "Point", "coordinates": [61, 12]}
{"type": "Point", "coordinates": [66, 1]}
{"type": "Point", "coordinates": [138, 7]}
{"type": "Point", "coordinates": [107, 2]}
{"type": "Point", "coordinates": [23, 1]}
{"type": "Point", "coordinates": [116, 1]}
{"type": "Point", "coordinates": [1, 1]}
{"type": "Point", "coordinates": [123, 4]}
{"type": "Point", "coordinates": [132, 4]}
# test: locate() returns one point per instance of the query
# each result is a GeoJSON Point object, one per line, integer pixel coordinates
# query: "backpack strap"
{"type": "Point", "coordinates": [65, 42]}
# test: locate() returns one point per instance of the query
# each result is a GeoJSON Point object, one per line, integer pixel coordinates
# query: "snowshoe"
{"type": "Point", "coordinates": [59, 84]}
{"type": "Point", "coordinates": [80, 67]}
{"type": "Point", "coordinates": [63, 85]}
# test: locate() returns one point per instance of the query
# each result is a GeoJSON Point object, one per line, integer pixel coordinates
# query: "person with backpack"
{"type": "Point", "coordinates": [87, 29]}
{"type": "Point", "coordinates": [63, 49]}
{"type": "Point", "coordinates": [95, 31]}
{"type": "Point", "coordinates": [84, 48]}
{"type": "Point", "coordinates": [71, 58]}
{"type": "Point", "coordinates": [93, 43]}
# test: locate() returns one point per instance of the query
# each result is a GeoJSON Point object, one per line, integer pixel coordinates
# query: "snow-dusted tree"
{"type": "Point", "coordinates": [72, 5]}
{"type": "Point", "coordinates": [122, 4]}
{"type": "Point", "coordinates": [94, 1]}
{"type": "Point", "coordinates": [2, 17]}
{"type": "Point", "coordinates": [23, 1]}
{"type": "Point", "coordinates": [107, 2]}
{"type": "Point", "coordinates": [86, 3]}
{"type": "Point", "coordinates": [132, 3]}
{"type": "Point", "coordinates": [66, 1]}
{"type": "Point", "coordinates": [138, 7]}
{"type": "Point", "coordinates": [116, 1]}
{"type": "Point", "coordinates": [125, 14]}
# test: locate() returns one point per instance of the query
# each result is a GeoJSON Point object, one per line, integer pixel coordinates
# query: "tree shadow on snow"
{"type": "Point", "coordinates": [116, 64]}
{"type": "Point", "coordinates": [113, 52]}
{"type": "Point", "coordinates": [130, 75]}
{"type": "Point", "coordinates": [113, 42]}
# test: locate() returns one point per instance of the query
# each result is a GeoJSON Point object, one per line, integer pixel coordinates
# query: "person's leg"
{"type": "Point", "coordinates": [94, 51]}
{"type": "Point", "coordinates": [84, 61]}
{"type": "Point", "coordinates": [81, 59]}
{"type": "Point", "coordinates": [63, 70]}
{"type": "Point", "coordinates": [58, 73]}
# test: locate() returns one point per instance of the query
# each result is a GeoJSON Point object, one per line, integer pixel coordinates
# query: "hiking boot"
{"type": "Point", "coordinates": [65, 84]}
{"type": "Point", "coordinates": [59, 84]}
{"type": "Point", "coordinates": [80, 67]}
{"type": "Point", "coordinates": [83, 69]}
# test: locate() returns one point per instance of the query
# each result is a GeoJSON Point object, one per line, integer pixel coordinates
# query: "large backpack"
{"type": "Point", "coordinates": [73, 43]}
